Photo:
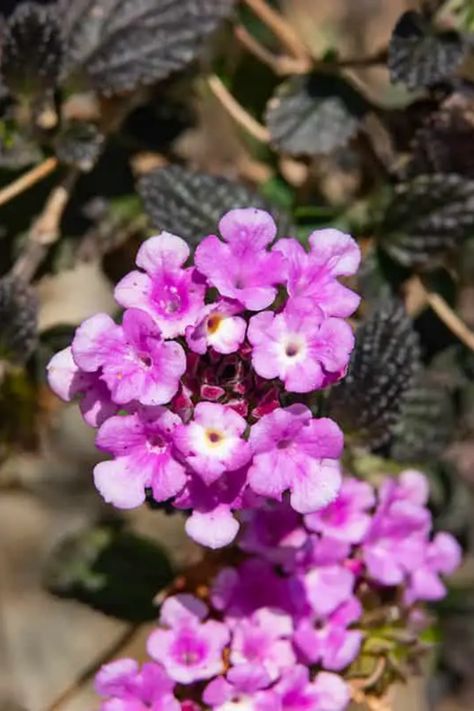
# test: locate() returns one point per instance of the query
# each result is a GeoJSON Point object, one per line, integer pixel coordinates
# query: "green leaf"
{"type": "Point", "coordinates": [121, 44]}
{"type": "Point", "coordinates": [18, 319]}
{"type": "Point", "coordinates": [426, 422]}
{"type": "Point", "coordinates": [31, 50]}
{"type": "Point", "coordinates": [314, 113]}
{"type": "Point", "coordinates": [445, 141]}
{"type": "Point", "coordinates": [190, 204]}
{"type": "Point", "coordinates": [428, 217]}
{"type": "Point", "coordinates": [79, 145]}
{"type": "Point", "coordinates": [385, 359]}
{"type": "Point", "coordinates": [112, 570]}
{"type": "Point", "coordinates": [419, 55]}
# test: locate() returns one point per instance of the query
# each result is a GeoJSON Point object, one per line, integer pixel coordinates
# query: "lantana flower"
{"type": "Point", "coordinates": [188, 648]}
{"type": "Point", "coordinates": [328, 640]}
{"type": "Point", "coordinates": [212, 442]}
{"type": "Point", "coordinates": [144, 458]}
{"type": "Point", "coordinates": [135, 363]}
{"type": "Point", "coordinates": [240, 267]}
{"type": "Point", "coordinates": [313, 276]}
{"type": "Point", "coordinates": [244, 688]}
{"type": "Point", "coordinates": [293, 451]}
{"type": "Point", "coordinates": [68, 381]}
{"type": "Point", "coordinates": [212, 522]}
{"type": "Point", "coordinates": [190, 342]}
{"type": "Point", "coordinates": [263, 639]}
{"type": "Point", "coordinates": [273, 637]}
{"type": "Point", "coordinates": [171, 294]}
{"type": "Point", "coordinates": [300, 347]}
{"type": "Point", "coordinates": [347, 517]}
{"type": "Point", "coordinates": [219, 328]}
{"type": "Point", "coordinates": [327, 692]}
{"type": "Point", "coordinates": [126, 687]}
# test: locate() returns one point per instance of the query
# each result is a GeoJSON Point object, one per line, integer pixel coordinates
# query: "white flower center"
{"type": "Point", "coordinates": [245, 703]}
{"type": "Point", "coordinates": [292, 349]}
{"type": "Point", "coordinates": [211, 441]}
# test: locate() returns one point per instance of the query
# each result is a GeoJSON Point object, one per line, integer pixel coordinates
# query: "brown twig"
{"type": "Point", "coordinates": [445, 313]}
{"type": "Point", "coordinates": [366, 682]}
{"type": "Point", "coordinates": [113, 650]}
{"type": "Point", "coordinates": [281, 29]}
{"type": "Point", "coordinates": [45, 230]}
{"type": "Point", "coordinates": [372, 703]}
{"type": "Point", "coordinates": [27, 180]}
{"type": "Point", "coordinates": [280, 64]}
{"type": "Point", "coordinates": [370, 60]}
{"type": "Point", "coordinates": [236, 110]}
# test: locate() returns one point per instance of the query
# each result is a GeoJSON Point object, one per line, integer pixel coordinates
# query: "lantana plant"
{"type": "Point", "coordinates": [204, 397]}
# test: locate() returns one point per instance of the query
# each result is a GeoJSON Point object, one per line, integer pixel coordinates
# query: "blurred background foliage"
{"type": "Point", "coordinates": [119, 118]}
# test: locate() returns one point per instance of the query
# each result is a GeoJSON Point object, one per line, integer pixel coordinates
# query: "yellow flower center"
{"type": "Point", "coordinates": [213, 323]}
{"type": "Point", "coordinates": [214, 437]}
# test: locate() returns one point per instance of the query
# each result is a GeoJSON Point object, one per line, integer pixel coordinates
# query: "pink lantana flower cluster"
{"type": "Point", "coordinates": [278, 631]}
{"type": "Point", "coordinates": [188, 391]}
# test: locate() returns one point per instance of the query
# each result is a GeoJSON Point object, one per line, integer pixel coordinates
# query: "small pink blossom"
{"type": "Point", "coordinates": [294, 451]}
{"type": "Point", "coordinates": [333, 646]}
{"type": "Point", "coordinates": [328, 692]}
{"type": "Point", "coordinates": [396, 540]}
{"type": "Point", "coordinates": [68, 381]}
{"type": "Point", "coordinates": [144, 457]}
{"type": "Point", "coordinates": [212, 442]}
{"type": "Point", "coordinates": [212, 522]}
{"type": "Point", "coordinates": [300, 347]}
{"type": "Point", "coordinates": [129, 688]}
{"type": "Point", "coordinates": [274, 531]}
{"type": "Point", "coordinates": [220, 328]}
{"type": "Point", "coordinates": [136, 363]}
{"type": "Point", "coordinates": [255, 584]}
{"type": "Point", "coordinates": [188, 648]}
{"type": "Point", "coordinates": [327, 587]}
{"type": "Point", "coordinates": [171, 295]}
{"type": "Point", "coordinates": [313, 277]}
{"type": "Point", "coordinates": [244, 689]}
{"type": "Point", "coordinates": [347, 517]}
{"type": "Point", "coordinates": [240, 267]}
{"type": "Point", "coordinates": [442, 556]}
{"type": "Point", "coordinates": [330, 642]}
{"type": "Point", "coordinates": [263, 639]}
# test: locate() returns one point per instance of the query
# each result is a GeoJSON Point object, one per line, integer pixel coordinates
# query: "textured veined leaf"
{"type": "Point", "coordinates": [445, 141]}
{"type": "Point", "coordinates": [79, 145]}
{"type": "Point", "coordinates": [120, 44]}
{"type": "Point", "coordinates": [382, 368]}
{"type": "Point", "coordinates": [18, 319]}
{"type": "Point", "coordinates": [314, 114]}
{"type": "Point", "coordinates": [190, 203]}
{"type": "Point", "coordinates": [112, 570]}
{"type": "Point", "coordinates": [426, 421]}
{"type": "Point", "coordinates": [419, 55]}
{"type": "Point", "coordinates": [428, 217]}
{"type": "Point", "coordinates": [31, 50]}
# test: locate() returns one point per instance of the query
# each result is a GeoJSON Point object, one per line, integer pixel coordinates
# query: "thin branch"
{"type": "Point", "coordinates": [280, 64]}
{"type": "Point", "coordinates": [370, 60]}
{"type": "Point", "coordinates": [372, 703]}
{"type": "Point", "coordinates": [236, 110]}
{"type": "Point", "coordinates": [445, 313]}
{"type": "Point", "coordinates": [113, 650]}
{"type": "Point", "coordinates": [28, 180]}
{"type": "Point", "coordinates": [364, 683]}
{"type": "Point", "coordinates": [45, 230]}
{"type": "Point", "coordinates": [281, 29]}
